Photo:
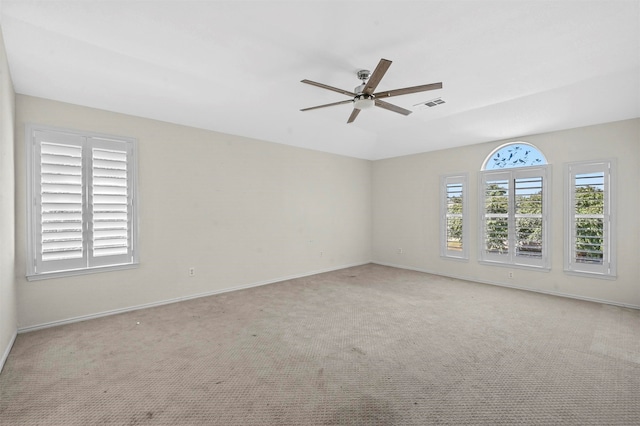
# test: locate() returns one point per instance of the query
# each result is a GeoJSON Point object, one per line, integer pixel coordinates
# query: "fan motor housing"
{"type": "Point", "coordinates": [364, 74]}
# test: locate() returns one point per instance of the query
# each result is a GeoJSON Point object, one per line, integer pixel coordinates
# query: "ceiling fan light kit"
{"type": "Point", "coordinates": [363, 102]}
{"type": "Point", "coordinates": [363, 96]}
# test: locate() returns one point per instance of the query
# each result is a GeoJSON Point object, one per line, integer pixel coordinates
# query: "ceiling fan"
{"type": "Point", "coordinates": [364, 97]}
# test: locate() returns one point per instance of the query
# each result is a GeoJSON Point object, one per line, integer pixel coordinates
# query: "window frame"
{"type": "Point", "coordinates": [608, 269]}
{"type": "Point", "coordinates": [511, 259]}
{"type": "Point", "coordinates": [445, 181]}
{"type": "Point", "coordinates": [88, 141]}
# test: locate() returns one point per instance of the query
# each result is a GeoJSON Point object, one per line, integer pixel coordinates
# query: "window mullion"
{"type": "Point", "coordinates": [86, 208]}
{"type": "Point", "coordinates": [511, 206]}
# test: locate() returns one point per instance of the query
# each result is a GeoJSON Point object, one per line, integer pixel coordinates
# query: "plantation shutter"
{"type": "Point", "coordinates": [589, 228]}
{"type": "Point", "coordinates": [59, 201]}
{"type": "Point", "coordinates": [110, 210]}
{"type": "Point", "coordinates": [529, 211]}
{"type": "Point", "coordinates": [82, 190]}
{"type": "Point", "coordinates": [513, 216]}
{"type": "Point", "coordinates": [453, 216]}
{"type": "Point", "coordinates": [496, 190]}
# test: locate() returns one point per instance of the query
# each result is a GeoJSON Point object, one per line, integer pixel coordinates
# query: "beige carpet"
{"type": "Point", "coordinates": [370, 345]}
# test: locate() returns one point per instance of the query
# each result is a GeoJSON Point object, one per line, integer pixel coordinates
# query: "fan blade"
{"type": "Point", "coordinates": [377, 75]}
{"type": "Point", "coordinates": [324, 86]}
{"type": "Point", "coordinates": [408, 90]}
{"type": "Point", "coordinates": [391, 107]}
{"type": "Point", "coordinates": [328, 105]}
{"type": "Point", "coordinates": [353, 115]}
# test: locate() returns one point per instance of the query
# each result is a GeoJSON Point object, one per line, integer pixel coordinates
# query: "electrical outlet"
{"type": "Point", "coordinates": [510, 274]}
{"type": "Point", "coordinates": [400, 251]}
{"type": "Point", "coordinates": [192, 272]}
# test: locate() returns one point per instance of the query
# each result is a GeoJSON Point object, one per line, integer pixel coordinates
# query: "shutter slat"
{"type": "Point", "coordinates": [110, 190]}
{"type": "Point", "coordinates": [110, 173]}
{"type": "Point", "coordinates": [110, 199]}
{"type": "Point", "coordinates": [103, 154]}
{"type": "Point", "coordinates": [63, 255]}
{"type": "Point", "coordinates": [102, 165]}
{"type": "Point", "coordinates": [54, 235]}
{"type": "Point", "coordinates": [61, 179]}
{"type": "Point", "coordinates": [111, 251]}
{"type": "Point", "coordinates": [61, 188]}
{"type": "Point", "coordinates": [109, 182]}
{"type": "Point", "coordinates": [101, 234]}
{"type": "Point", "coordinates": [56, 246]}
{"type": "Point", "coordinates": [110, 242]}
{"type": "Point", "coordinates": [48, 148]}
{"type": "Point", "coordinates": [57, 169]}
{"type": "Point", "coordinates": [61, 160]}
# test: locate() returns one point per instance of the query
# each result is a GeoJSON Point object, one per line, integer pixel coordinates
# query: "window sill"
{"type": "Point", "coordinates": [516, 265]}
{"type": "Point", "coordinates": [595, 275]}
{"type": "Point", "coordinates": [454, 258]}
{"type": "Point", "coordinates": [84, 271]}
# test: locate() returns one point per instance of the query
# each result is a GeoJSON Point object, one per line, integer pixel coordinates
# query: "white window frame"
{"type": "Point", "coordinates": [445, 181]}
{"type": "Point", "coordinates": [608, 268]}
{"type": "Point", "coordinates": [88, 141]}
{"type": "Point", "coordinates": [511, 259]}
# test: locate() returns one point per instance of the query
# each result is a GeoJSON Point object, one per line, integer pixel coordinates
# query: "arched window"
{"type": "Point", "coordinates": [513, 207]}
{"type": "Point", "coordinates": [519, 154]}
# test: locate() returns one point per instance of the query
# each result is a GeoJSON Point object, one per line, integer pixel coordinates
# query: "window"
{"type": "Point", "coordinates": [519, 154]}
{"type": "Point", "coordinates": [589, 243]}
{"type": "Point", "coordinates": [513, 207]}
{"type": "Point", "coordinates": [453, 213]}
{"type": "Point", "coordinates": [82, 210]}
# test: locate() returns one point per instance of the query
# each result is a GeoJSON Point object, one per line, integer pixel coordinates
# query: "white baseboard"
{"type": "Point", "coordinates": [179, 299]}
{"type": "Point", "coordinates": [552, 293]}
{"type": "Point", "coordinates": [5, 355]}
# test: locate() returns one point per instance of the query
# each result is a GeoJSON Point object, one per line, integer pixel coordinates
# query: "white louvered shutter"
{"type": "Point", "coordinates": [82, 190]}
{"type": "Point", "coordinates": [59, 202]}
{"type": "Point", "coordinates": [589, 242]}
{"type": "Point", "coordinates": [513, 216]}
{"type": "Point", "coordinates": [496, 195]}
{"type": "Point", "coordinates": [110, 209]}
{"type": "Point", "coordinates": [453, 216]}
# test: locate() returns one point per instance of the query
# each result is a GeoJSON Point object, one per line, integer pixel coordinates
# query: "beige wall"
{"type": "Point", "coordinates": [406, 211]}
{"type": "Point", "coordinates": [244, 211]}
{"type": "Point", "coordinates": [8, 315]}
{"type": "Point", "coordinates": [241, 211]}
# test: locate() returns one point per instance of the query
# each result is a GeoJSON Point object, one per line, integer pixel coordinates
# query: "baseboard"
{"type": "Point", "coordinates": [552, 293]}
{"type": "Point", "coordinates": [5, 355]}
{"type": "Point", "coordinates": [179, 299]}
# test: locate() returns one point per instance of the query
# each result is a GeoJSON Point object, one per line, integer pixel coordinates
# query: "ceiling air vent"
{"type": "Point", "coordinates": [431, 103]}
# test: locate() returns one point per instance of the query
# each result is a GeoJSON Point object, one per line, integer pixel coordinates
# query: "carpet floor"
{"type": "Point", "coordinates": [369, 345]}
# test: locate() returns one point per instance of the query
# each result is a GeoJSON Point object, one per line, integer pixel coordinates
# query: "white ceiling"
{"type": "Point", "coordinates": [509, 68]}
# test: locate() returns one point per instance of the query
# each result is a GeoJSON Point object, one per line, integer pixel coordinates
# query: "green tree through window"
{"type": "Point", "coordinates": [589, 214]}
{"type": "Point", "coordinates": [453, 225]}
